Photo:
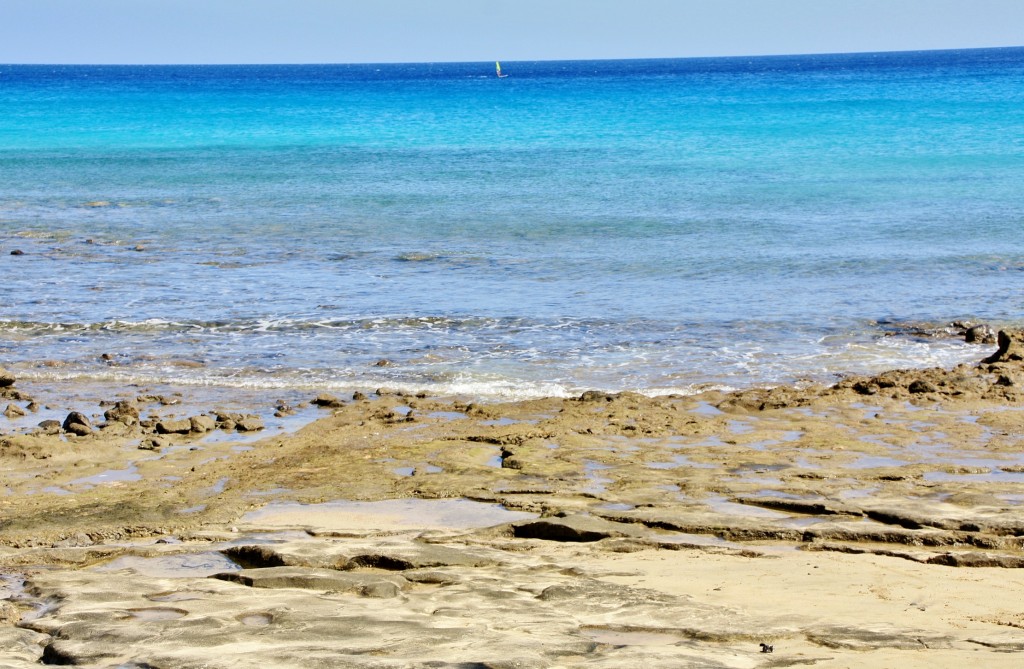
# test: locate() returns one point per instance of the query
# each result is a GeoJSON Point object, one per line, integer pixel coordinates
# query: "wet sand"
{"type": "Point", "coordinates": [873, 523]}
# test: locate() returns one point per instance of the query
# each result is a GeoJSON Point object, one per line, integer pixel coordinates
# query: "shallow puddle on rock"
{"type": "Point", "coordinates": [780, 494]}
{"type": "Point", "coordinates": [12, 586]}
{"type": "Point", "coordinates": [740, 427]}
{"type": "Point", "coordinates": [766, 481]}
{"type": "Point", "coordinates": [185, 565]}
{"type": "Point", "coordinates": [786, 438]}
{"type": "Point", "coordinates": [387, 515]}
{"type": "Point", "coordinates": [256, 619]}
{"type": "Point", "coordinates": [157, 614]}
{"type": "Point", "coordinates": [756, 468]}
{"type": "Point", "coordinates": [680, 461]}
{"type": "Point", "coordinates": [447, 415]}
{"type": "Point", "coordinates": [503, 421]}
{"type": "Point", "coordinates": [875, 462]}
{"type": "Point", "coordinates": [616, 506]}
{"type": "Point", "coordinates": [280, 537]}
{"type": "Point", "coordinates": [705, 409]}
{"type": "Point", "coordinates": [109, 476]}
{"type": "Point", "coordinates": [801, 522]}
{"type": "Point", "coordinates": [994, 476]}
{"type": "Point", "coordinates": [631, 638]}
{"type": "Point", "coordinates": [418, 470]}
{"type": "Point", "coordinates": [596, 484]}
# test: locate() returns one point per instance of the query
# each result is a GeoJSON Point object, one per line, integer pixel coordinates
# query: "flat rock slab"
{"type": "Point", "coordinates": [366, 585]}
{"type": "Point", "coordinates": [577, 528]}
{"type": "Point", "coordinates": [386, 516]}
{"type": "Point", "coordinates": [534, 608]}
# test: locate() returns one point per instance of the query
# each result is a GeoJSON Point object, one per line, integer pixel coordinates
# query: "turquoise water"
{"type": "Point", "coordinates": [647, 225]}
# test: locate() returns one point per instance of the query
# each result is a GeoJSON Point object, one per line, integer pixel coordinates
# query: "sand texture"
{"type": "Point", "coordinates": [875, 523]}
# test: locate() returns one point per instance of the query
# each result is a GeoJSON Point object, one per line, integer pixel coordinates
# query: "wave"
{"type": "Point", "coordinates": [462, 385]}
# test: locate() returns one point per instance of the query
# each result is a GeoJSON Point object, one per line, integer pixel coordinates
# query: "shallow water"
{"type": "Point", "coordinates": [185, 565]}
{"type": "Point", "coordinates": [108, 477]}
{"type": "Point", "coordinates": [649, 225]}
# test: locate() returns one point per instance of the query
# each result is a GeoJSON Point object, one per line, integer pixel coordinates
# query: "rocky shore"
{"type": "Point", "coordinates": [874, 522]}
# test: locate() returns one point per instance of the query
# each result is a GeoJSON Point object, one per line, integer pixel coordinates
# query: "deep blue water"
{"type": "Point", "coordinates": [646, 224]}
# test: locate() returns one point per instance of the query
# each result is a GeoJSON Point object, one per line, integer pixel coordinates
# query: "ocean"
{"type": "Point", "coordinates": [661, 226]}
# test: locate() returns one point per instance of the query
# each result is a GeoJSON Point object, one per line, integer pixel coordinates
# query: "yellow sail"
{"type": "Point", "coordinates": [497, 66]}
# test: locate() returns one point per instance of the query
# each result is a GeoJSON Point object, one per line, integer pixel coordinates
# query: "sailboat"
{"type": "Point", "coordinates": [497, 66]}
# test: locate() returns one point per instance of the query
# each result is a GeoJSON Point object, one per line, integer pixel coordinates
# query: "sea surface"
{"type": "Point", "coordinates": [651, 225]}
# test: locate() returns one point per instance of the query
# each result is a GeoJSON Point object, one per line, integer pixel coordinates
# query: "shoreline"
{"type": "Point", "coordinates": [664, 530]}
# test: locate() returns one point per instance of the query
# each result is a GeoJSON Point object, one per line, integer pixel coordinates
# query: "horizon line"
{"type": "Point", "coordinates": [514, 60]}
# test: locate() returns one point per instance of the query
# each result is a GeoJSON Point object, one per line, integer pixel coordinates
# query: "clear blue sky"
{"type": "Point", "coordinates": [349, 31]}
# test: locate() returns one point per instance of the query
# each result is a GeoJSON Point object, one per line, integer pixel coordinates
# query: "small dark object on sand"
{"type": "Point", "coordinates": [765, 648]}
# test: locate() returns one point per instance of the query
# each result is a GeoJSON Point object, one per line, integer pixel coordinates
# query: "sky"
{"type": "Point", "coordinates": [381, 31]}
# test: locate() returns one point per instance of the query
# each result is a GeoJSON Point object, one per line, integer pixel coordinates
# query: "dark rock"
{"type": "Point", "coordinates": [77, 423]}
{"type": "Point", "coordinates": [6, 378]}
{"type": "Point", "coordinates": [17, 252]}
{"type": "Point", "coordinates": [49, 427]}
{"type": "Point", "coordinates": [174, 426]}
{"type": "Point", "coordinates": [383, 362]}
{"type": "Point", "coordinates": [249, 424]}
{"type": "Point", "coordinates": [152, 444]}
{"type": "Point", "coordinates": [920, 386]}
{"type": "Point", "coordinates": [1009, 380]}
{"type": "Point", "coordinates": [255, 556]}
{"type": "Point", "coordinates": [357, 396]}
{"type": "Point", "coordinates": [596, 396]}
{"type": "Point", "coordinates": [573, 528]}
{"type": "Point", "coordinates": [200, 424]}
{"type": "Point", "coordinates": [980, 334]}
{"type": "Point", "coordinates": [14, 411]}
{"type": "Point", "coordinates": [1011, 348]}
{"type": "Point", "coordinates": [123, 412]}
{"type": "Point", "coordinates": [865, 388]}
{"type": "Point", "coordinates": [327, 401]}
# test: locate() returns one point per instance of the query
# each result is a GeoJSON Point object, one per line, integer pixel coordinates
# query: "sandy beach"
{"type": "Point", "coordinates": [873, 523]}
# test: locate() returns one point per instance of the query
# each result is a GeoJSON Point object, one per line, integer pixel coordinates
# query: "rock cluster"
{"type": "Point", "coordinates": [998, 377]}
{"type": "Point", "coordinates": [126, 418]}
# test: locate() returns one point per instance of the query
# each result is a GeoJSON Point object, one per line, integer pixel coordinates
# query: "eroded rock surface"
{"type": "Point", "coordinates": [878, 519]}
